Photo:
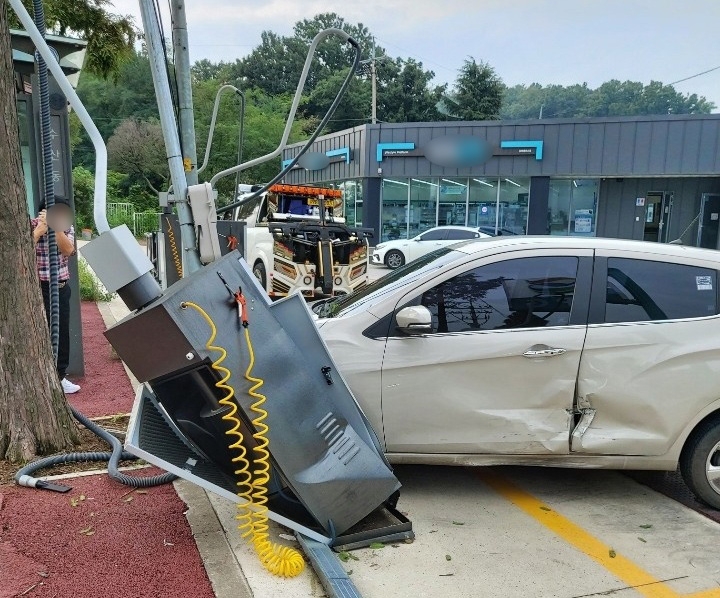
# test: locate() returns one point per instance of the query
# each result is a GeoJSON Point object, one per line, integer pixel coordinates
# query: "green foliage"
{"type": "Point", "coordinates": [408, 95]}
{"type": "Point", "coordinates": [90, 287]}
{"type": "Point", "coordinates": [110, 37]}
{"type": "Point", "coordinates": [477, 94]}
{"type": "Point", "coordinates": [83, 186]}
{"type": "Point", "coordinates": [612, 98]}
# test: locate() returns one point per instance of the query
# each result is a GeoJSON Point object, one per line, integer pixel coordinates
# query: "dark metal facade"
{"type": "Point", "coordinates": [678, 155]}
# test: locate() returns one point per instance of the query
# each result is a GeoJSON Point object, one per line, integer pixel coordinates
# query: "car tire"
{"type": "Point", "coordinates": [259, 272]}
{"type": "Point", "coordinates": [394, 259]}
{"type": "Point", "coordinates": [700, 457]}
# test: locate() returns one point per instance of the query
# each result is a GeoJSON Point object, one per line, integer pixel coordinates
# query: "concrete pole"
{"type": "Point", "coordinates": [170, 134]}
{"type": "Point", "coordinates": [184, 90]}
{"type": "Point", "coordinates": [374, 91]}
{"type": "Point", "coordinates": [373, 77]}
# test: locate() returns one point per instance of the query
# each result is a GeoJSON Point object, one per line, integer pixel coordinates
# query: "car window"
{"type": "Point", "coordinates": [434, 235]}
{"type": "Point", "coordinates": [518, 293]}
{"type": "Point", "coordinates": [461, 235]}
{"type": "Point", "coordinates": [643, 290]}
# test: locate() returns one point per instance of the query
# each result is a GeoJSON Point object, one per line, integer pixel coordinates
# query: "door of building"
{"type": "Point", "coordinates": [709, 225]}
{"type": "Point", "coordinates": [658, 210]}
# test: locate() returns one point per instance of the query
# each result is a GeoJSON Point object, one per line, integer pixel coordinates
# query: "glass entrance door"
{"type": "Point", "coordinates": [658, 210]}
{"type": "Point", "coordinates": [709, 221]}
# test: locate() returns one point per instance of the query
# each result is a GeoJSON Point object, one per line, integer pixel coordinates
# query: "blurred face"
{"type": "Point", "coordinates": [60, 217]}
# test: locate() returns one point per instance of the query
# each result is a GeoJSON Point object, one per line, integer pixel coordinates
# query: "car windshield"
{"type": "Point", "coordinates": [434, 260]}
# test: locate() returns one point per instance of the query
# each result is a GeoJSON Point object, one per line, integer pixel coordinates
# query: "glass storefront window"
{"type": "Point", "coordinates": [513, 205]}
{"type": "Point", "coordinates": [24, 132]}
{"type": "Point", "coordinates": [482, 203]}
{"type": "Point", "coordinates": [423, 205]}
{"type": "Point", "coordinates": [394, 209]}
{"type": "Point", "coordinates": [352, 197]}
{"type": "Point", "coordinates": [452, 208]}
{"type": "Point", "coordinates": [572, 207]}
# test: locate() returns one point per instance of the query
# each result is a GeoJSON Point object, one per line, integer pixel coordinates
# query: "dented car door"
{"type": "Point", "coordinates": [652, 353]}
{"type": "Point", "coordinates": [497, 372]}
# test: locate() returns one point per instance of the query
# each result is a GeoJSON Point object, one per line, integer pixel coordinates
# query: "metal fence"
{"type": "Point", "coordinates": [120, 211]}
{"type": "Point", "coordinates": [144, 222]}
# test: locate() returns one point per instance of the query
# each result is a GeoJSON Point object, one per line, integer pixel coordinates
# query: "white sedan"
{"type": "Point", "coordinates": [396, 253]}
{"type": "Point", "coordinates": [571, 352]}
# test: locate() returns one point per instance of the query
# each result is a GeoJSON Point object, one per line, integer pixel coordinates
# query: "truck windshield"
{"type": "Point", "coordinates": [418, 268]}
{"type": "Point", "coordinates": [245, 210]}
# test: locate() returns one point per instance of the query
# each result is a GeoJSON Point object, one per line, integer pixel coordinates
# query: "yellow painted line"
{"type": "Point", "coordinates": [622, 568]}
{"type": "Point", "coordinates": [705, 594]}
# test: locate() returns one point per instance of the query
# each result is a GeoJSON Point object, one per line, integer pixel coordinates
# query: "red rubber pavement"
{"type": "Point", "coordinates": [114, 543]}
{"type": "Point", "coordinates": [105, 386]}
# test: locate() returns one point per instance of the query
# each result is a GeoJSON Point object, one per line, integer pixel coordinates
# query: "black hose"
{"type": "Point", "coordinates": [48, 184]}
{"type": "Point", "coordinates": [25, 478]}
{"type": "Point", "coordinates": [313, 137]}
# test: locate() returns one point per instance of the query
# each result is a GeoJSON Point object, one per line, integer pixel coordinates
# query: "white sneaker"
{"type": "Point", "coordinates": [68, 387]}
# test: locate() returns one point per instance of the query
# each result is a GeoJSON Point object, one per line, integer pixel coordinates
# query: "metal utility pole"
{"type": "Point", "coordinates": [373, 76]}
{"type": "Point", "coordinates": [371, 62]}
{"type": "Point", "coordinates": [186, 115]}
{"type": "Point", "coordinates": [157, 57]}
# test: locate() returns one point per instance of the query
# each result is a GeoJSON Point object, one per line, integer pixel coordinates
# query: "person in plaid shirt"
{"type": "Point", "coordinates": [61, 222]}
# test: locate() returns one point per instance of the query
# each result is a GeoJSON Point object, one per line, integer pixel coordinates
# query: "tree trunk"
{"type": "Point", "coordinates": [34, 414]}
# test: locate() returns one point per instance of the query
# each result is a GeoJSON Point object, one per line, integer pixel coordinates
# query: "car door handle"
{"type": "Point", "coordinates": [543, 351]}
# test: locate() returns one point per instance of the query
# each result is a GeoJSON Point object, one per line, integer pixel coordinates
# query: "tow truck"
{"type": "Point", "coordinates": [296, 240]}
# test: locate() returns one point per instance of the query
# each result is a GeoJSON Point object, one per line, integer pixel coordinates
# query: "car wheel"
{"type": "Point", "coordinates": [394, 259]}
{"type": "Point", "coordinates": [700, 463]}
{"type": "Point", "coordinates": [259, 272]}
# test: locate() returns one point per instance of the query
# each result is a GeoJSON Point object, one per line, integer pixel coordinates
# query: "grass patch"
{"type": "Point", "coordinates": [90, 287]}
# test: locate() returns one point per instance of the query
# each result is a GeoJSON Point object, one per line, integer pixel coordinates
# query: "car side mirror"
{"type": "Point", "coordinates": [415, 319]}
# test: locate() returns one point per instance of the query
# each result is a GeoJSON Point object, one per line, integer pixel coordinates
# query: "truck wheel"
{"type": "Point", "coordinates": [700, 463]}
{"type": "Point", "coordinates": [259, 272]}
{"type": "Point", "coordinates": [394, 259]}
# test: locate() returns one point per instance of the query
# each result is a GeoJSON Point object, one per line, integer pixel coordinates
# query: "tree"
{"type": "Point", "coordinates": [477, 94]}
{"type": "Point", "coordinates": [137, 148]}
{"type": "Point", "coordinates": [130, 94]}
{"type": "Point", "coordinates": [110, 37]}
{"type": "Point", "coordinates": [612, 98]}
{"type": "Point", "coordinates": [408, 95]}
{"type": "Point", "coordinates": [34, 415]}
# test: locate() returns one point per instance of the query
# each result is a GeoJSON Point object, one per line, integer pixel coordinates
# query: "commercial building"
{"type": "Point", "coordinates": [652, 177]}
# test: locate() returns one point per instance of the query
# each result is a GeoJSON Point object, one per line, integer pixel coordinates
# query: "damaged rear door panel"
{"type": "Point", "coordinates": [651, 360]}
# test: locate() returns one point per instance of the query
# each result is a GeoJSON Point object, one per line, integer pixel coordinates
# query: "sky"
{"type": "Point", "coordinates": [526, 41]}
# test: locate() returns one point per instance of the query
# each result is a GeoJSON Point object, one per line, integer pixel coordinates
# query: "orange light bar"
{"type": "Point", "coordinates": [302, 190]}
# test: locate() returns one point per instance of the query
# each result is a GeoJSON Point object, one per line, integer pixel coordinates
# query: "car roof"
{"type": "Point", "coordinates": [474, 229]}
{"type": "Point", "coordinates": [548, 241]}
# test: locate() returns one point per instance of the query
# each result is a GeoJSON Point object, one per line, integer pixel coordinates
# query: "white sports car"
{"type": "Point", "coordinates": [401, 251]}
{"type": "Point", "coordinates": [559, 351]}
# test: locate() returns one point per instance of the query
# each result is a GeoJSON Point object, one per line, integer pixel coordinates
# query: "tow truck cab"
{"type": "Point", "coordinates": [297, 240]}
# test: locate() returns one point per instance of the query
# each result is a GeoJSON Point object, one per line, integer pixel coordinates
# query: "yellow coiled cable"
{"type": "Point", "coordinates": [174, 250]}
{"type": "Point", "coordinates": [279, 559]}
{"type": "Point", "coordinates": [276, 558]}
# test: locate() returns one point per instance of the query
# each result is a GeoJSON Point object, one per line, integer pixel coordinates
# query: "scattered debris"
{"type": "Point", "coordinates": [643, 540]}
{"type": "Point", "coordinates": [345, 556]}
{"type": "Point", "coordinates": [646, 526]}
{"type": "Point", "coordinates": [288, 537]}
{"type": "Point", "coordinates": [612, 553]}
{"type": "Point", "coordinates": [74, 502]}
{"type": "Point", "coordinates": [458, 523]}
{"type": "Point", "coordinates": [376, 545]}
{"type": "Point", "coordinates": [88, 531]}
{"type": "Point", "coordinates": [448, 557]}
{"type": "Point", "coordinates": [446, 575]}
{"type": "Point", "coordinates": [545, 508]}
{"type": "Point", "coordinates": [166, 543]}
{"type": "Point", "coordinates": [43, 574]}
